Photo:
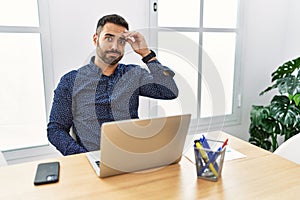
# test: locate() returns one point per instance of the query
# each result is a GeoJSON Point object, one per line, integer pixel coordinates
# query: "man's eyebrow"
{"type": "Point", "coordinates": [109, 34]}
{"type": "Point", "coordinates": [112, 35]}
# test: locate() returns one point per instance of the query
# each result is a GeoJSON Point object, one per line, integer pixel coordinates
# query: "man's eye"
{"type": "Point", "coordinates": [122, 41]}
{"type": "Point", "coordinates": [109, 39]}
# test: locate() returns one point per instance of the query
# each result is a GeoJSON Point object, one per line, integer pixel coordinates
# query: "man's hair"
{"type": "Point", "coordinates": [113, 18]}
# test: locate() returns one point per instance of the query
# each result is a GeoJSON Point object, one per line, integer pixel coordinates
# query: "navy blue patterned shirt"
{"type": "Point", "coordinates": [85, 98]}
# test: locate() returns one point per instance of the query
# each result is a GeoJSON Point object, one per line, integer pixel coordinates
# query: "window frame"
{"type": "Point", "coordinates": [14, 156]}
{"type": "Point", "coordinates": [216, 122]}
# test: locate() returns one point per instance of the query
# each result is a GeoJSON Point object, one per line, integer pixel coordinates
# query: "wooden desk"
{"type": "Point", "coordinates": [261, 175]}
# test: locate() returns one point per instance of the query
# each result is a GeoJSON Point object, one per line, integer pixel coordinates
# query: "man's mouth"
{"type": "Point", "coordinates": [113, 53]}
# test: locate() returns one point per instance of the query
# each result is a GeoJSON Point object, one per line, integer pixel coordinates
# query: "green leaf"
{"type": "Point", "coordinates": [289, 132]}
{"type": "Point", "coordinates": [283, 110]}
{"type": "Point", "coordinates": [296, 99]}
{"type": "Point", "coordinates": [283, 71]}
{"type": "Point", "coordinates": [286, 69]}
{"type": "Point", "coordinates": [289, 85]}
{"type": "Point", "coordinates": [271, 126]}
{"type": "Point", "coordinates": [259, 137]}
{"type": "Point", "coordinates": [290, 97]}
{"type": "Point", "coordinates": [258, 113]}
{"type": "Point", "coordinates": [268, 89]}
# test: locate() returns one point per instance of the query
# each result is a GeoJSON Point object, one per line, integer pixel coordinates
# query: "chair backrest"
{"type": "Point", "coordinates": [290, 149]}
{"type": "Point", "coordinates": [72, 133]}
{"type": "Point", "coordinates": [2, 159]}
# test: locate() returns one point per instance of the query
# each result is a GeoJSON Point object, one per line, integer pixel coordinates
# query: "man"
{"type": "Point", "coordinates": [105, 90]}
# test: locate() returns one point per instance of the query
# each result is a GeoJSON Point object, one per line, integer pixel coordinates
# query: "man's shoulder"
{"type": "Point", "coordinates": [69, 76]}
{"type": "Point", "coordinates": [128, 67]}
{"type": "Point", "coordinates": [73, 73]}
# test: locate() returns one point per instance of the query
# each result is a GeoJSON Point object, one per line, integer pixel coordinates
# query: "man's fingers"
{"type": "Point", "coordinates": [133, 36]}
{"type": "Point", "coordinates": [130, 39]}
{"type": "Point", "coordinates": [137, 42]}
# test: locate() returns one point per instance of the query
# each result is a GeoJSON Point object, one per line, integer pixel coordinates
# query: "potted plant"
{"type": "Point", "coordinates": [282, 116]}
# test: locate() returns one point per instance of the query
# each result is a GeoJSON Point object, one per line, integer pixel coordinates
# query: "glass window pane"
{"type": "Point", "coordinates": [218, 61]}
{"type": "Point", "coordinates": [19, 13]}
{"type": "Point", "coordinates": [178, 13]}
{"type": "Point", "coordinates": [22, 101]}
{"type": "Point", "coordinates": [220, 13]}
{"type": "Point", "coordinates": [180, 51]}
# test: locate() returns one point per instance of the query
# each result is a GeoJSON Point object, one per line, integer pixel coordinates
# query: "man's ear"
{"type": "Point", "coordinates": [95, 39]}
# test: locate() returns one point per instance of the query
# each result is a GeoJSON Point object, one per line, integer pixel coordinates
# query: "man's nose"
{"type": "Point", "coordinates": [114, 45]}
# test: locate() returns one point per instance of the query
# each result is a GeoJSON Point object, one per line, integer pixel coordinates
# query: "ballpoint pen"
{"type": "Point", "coordinates": [212, 160]}
{"type": "Point", "coordinates": [198, 159]}
{"type": "Point", "coordinates": [210, 154]}
{"type": "Point", "coordinates": [214, 157]}
{"type": "Point", "coordinates": [225, 143]}
{"type": "Point", "coordinates": [205, 158]}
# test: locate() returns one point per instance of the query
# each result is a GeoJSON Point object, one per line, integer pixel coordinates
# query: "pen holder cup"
{"type": "Point", "coordinates": [209, 162]}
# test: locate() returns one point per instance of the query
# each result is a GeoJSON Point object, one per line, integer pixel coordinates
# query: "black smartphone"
{"type": "Point", "coordinates": [47, 173]}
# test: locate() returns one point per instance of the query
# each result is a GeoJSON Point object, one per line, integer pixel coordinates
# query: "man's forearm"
{"type": "Point", "coordinates": [63, 141]}
{"type": "Point", "coordinates": [163, 78]}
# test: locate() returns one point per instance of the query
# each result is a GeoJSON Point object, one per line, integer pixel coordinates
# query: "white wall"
{"type": "Point", "coordinates": [271, 37]}
{"type": "Point", "coordinates": [292, 44]}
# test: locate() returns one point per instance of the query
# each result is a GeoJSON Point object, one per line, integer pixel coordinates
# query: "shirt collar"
{"type": "Point", "coordinates": [98, 70]}
{"type": "Point", "coordinates": [95, 67]}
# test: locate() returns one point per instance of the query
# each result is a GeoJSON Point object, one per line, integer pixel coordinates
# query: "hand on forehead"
{"type": "Point", "coordinates": [132, 35]}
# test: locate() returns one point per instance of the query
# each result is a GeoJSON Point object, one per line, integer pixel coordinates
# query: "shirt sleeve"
{"type": "Point", "coordinates": [159, 83]}
{"type": "Point", "coordinates": [60, 120]}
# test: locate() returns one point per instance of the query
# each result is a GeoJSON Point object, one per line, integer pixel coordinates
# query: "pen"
{"type": "Point", "coordinates": [205, 158]}
{"type": "Point", "coordinates": [225, 143]}
{"type": "Point", "coordinates": [210, 154]}
{"type": "Point", "coordinates": [213, 159]}
{"type": "Point", "coordinates": [199, 162]}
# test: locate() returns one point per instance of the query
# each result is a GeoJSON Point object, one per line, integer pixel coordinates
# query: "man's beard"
{"type": "Point", "coordinates": [110, 60]}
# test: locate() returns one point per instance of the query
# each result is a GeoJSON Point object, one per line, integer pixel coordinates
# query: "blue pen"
{"type": "Point", "coordinates": [213, 159]}
{"type": "Point", "coordinates": [205, 159]}
{"type": "Point", "coordinates": [211, 155]}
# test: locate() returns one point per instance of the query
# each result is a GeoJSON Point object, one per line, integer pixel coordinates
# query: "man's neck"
{"type": "Point", "coordinates": [107, 70]}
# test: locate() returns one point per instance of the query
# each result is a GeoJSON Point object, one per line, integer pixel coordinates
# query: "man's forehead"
{"type": "Point", "coordinates": [113, 29]}
{"type": "Point", "coordinates": [109, 34]}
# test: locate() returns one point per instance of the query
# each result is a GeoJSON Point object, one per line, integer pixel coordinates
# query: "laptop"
{"type": "Point", "coordinates": [139, 144]}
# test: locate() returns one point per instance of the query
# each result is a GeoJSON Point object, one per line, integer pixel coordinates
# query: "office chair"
{"type": "Point", "coordinates": [2, 159]}
{"type": "Point", "coordinates": [290, 149]}
{"type": "Point", "coordinates": [73, 135]}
